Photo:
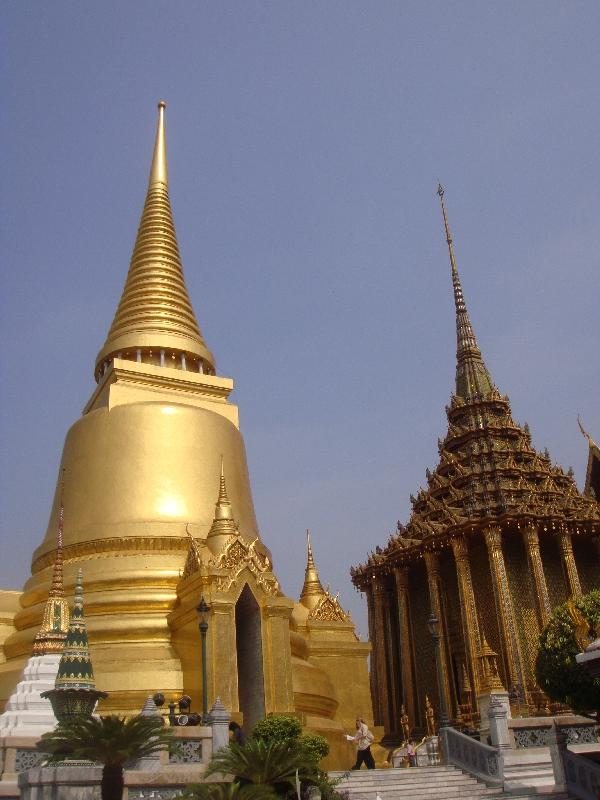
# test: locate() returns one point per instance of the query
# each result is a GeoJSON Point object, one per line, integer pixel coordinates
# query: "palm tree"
{"type": "Point", "coordinates": [111, 741]}
{"type": "Point", "coordinates": [271, 763]}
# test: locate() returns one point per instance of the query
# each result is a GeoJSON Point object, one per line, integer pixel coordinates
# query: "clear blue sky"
{"type": "Point", "coordinates": [305, 144]}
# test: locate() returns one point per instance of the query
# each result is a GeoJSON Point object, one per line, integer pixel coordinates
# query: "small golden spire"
{"type": "Point", "coordinates": [223, 525]}
{"type": "Point", "coordinates": [155, 322]}
{"type": "Point", "coordinates": [312, 590]}
{"type": "Point", "coordinates": [55, 619]}
{"type": "Point", "coordinates": [472, 377]}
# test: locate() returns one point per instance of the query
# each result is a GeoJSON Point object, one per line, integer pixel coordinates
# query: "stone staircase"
{"type": "Point", "coordinates": [444, 782]}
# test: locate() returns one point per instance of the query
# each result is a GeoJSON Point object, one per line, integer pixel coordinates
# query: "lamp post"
{"type": "Point", "coordinates": [434, 630]}
{"type": "Point", "coordinates": [203, 610]}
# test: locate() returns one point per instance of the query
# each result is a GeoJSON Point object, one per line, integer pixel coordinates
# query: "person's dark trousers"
{"type": "Point", "coordinates": [364, 757]}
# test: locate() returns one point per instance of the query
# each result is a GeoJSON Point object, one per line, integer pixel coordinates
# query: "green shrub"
{"type": "Point", "coordinates": [277, 727]}
{"type": "Point", "coordinates": [557, 672]}
{"type": "Point", "coordinates": [316, 747]}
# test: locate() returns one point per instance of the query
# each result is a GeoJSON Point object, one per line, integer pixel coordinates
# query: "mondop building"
{"type": "Point", "coordinates": [498, 537]}
{"type": "Point", "coordinates": [158, 513]}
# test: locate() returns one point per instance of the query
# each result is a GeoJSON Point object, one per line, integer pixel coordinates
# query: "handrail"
{"type": "Point", "coordinates": [582, 775]}
{"type": "Point", "coordinates": [473, 756]}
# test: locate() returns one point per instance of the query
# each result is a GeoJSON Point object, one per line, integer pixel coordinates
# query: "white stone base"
{"type": "Point", "coordinates": [26, 713]}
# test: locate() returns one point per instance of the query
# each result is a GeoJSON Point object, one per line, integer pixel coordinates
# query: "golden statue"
{"type": "Point", "coordinates": [429, 717]}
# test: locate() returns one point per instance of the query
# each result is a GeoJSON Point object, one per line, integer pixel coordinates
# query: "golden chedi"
{"type": "Point", "coordinates": [499, 536]}
{"type": "Point", "coordinates": [158, 444]}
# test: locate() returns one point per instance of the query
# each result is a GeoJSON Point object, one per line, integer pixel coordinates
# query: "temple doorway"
{"type": "Point", "coordinates": [251, 686]}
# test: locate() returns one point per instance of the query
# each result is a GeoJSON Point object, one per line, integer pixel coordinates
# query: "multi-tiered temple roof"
{"type": "Point", "coordinates": [488, 469]}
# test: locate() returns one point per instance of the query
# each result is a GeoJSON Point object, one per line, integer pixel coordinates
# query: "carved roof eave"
{"type": "Point", "coordinates": [397, 555]}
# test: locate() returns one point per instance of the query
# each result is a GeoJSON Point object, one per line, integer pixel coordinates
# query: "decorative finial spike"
{"type": "Point", "coordinates": [591, 442]}
{"type": "Point", "coordinates": [309, 553]}
{"type": "Point", "coordinates": [158, 171]}
{"type": "Point", "coordinates": [472, 377]}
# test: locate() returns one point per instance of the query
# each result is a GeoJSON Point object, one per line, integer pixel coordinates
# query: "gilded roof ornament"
{"type": "Point", "coordinates": [312, 590]}
{"type": "Point", "coordinates": [223, 526]}
{"type": "Point", "coordinates": [155, 322]}
{"type": "Point", "coordinates": [472, 377]}
{"type": "Point", "coordinates": [55, 621]}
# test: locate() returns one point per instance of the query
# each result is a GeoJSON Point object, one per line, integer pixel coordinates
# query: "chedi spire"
{"type": "Point", "coordinates": [312, 590]}
{"type": "Point", "coordinates": [223, 525]}
{"type": "Point", "coordinates": [55, 621]}
{"type": "Point", "coordinates": [472, 376]}
{"type": "Point", "coordinates": [155, 322]}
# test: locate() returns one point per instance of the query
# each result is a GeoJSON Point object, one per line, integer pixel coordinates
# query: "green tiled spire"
{"type": "Point", "coordinates": [75, 670]}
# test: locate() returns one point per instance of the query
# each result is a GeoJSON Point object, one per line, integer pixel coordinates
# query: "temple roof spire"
{"type": "Point", "coordinates": [312, 590]}
{"type": "Point", "coordinates": [224, 525]}
{"type": "Point", "coordinates": [55, 619]}
{"type": "Point", "coordinates": [472, 376]}
{"type": "Point", "coordinates": [155, 322]}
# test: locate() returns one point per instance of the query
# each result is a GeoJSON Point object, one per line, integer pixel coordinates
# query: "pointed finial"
{"type": "Point", "coordinates": [57, 587]}
{"type": "Point", "coordinates": [155, 314]}
{"type": "Point", "coordinates": [55, 619]}
{"type": "Point", "coordinates": [223, 525]}
{"type": "Point", "coordinates": [472, 377]}
{"type": "Point", "coordinates": [309, 553]}
{"type": "Point", "coordinates": [312, 590]}
{"type": "Point", "coordinates": [158, 171]}
{"type": "Point", "coordinates": [591, 442]}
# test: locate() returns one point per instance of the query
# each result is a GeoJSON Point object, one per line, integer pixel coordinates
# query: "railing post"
{"type": "Point", "coordinates": [558, 746]}
{"type": "Point", "coordinates": [219, 721]}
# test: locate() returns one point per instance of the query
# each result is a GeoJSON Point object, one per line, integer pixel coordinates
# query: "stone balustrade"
{"type": "Point", "coordinates": [471, 755]}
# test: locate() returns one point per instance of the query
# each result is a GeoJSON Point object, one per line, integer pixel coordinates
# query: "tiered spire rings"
{"type": "Point", "coordinates": [155, 322]}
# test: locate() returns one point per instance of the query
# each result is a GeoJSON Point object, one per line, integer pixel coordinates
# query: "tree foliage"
{"type": "Point", "coordinates": [557, 671]}
{"type": "Point", "coordinates": [271, 763]}
{"type": "Point", "coordinates": [111, 741]}
{"type": "Point", "coordinates": [228, 791]}
{"type": "Point", "coordinates": [277, 727]}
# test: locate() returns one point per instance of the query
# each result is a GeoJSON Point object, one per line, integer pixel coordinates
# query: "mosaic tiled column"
{"type": "Point", "coordinates": [468, 611]}
{"type": "Point", "coordinates": [432, 563]}
{"type": "Point", "coordinates": [532, 546]}
{"type": "Point", "coordinates": [596, 541]}
{"type": "Point", "coordinates": [375, 696]}
{"type": "Point", "coordinates": [566, 551]}
{"type": "Point", "coordinates": [401, 575]}
{"type": "Point", "coordinates": [379, 602]}
{"type": "Point", "coordinates": [504, 608]}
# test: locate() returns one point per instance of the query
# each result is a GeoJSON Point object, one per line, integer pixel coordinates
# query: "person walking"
{"type": "Point", "coordinates": [363, 738]}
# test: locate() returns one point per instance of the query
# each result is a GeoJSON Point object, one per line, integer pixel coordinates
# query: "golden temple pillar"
{"type": "Point", "coordinates": [406, 668]}
{"type": "Point", "coordinates": [532, 545]}
{"type": "Point", "coordinates": [279, 690]}
{"type": "Point", "coordinates": [379, 645]}
{"type": "Point", "coordinates": [504, 609]}
{"type": "Point", "coordinates": [432, 563]}
{"type": "Point", "coordinates": [566, 551]}
{"type": "Point", "coordinates": [468, 611]}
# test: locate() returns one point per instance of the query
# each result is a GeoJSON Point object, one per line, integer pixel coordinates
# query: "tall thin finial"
{"type": "Point", "coordinates": [472, 377]}
{"type": "Point", "coordinates": [55, 619]}
{"type": "Point", "coordinates": [223, 525]}
{"type": "Point", "coordinates": [158, 171]}
{"type": "Point", "coordinates": [309, 553]}
{"type": "Point", "coordinates": [57, 586]}
{"type": "Point", "coordinates": [591, 442]}
{"type": "Point", "coordinates": [312, 590]}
